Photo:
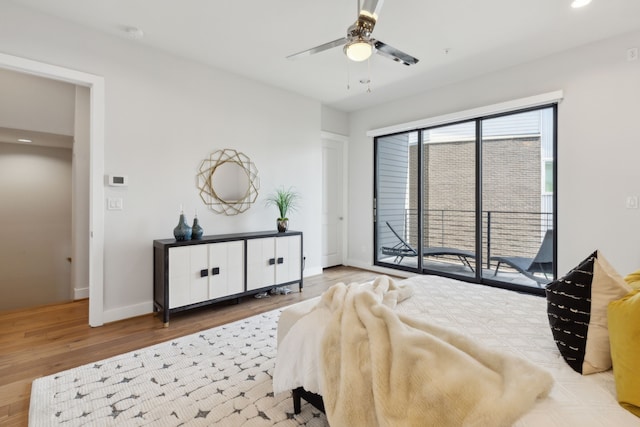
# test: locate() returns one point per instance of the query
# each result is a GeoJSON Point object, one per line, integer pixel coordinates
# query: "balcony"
{"type": "Point", "coordinates": [504, 234]}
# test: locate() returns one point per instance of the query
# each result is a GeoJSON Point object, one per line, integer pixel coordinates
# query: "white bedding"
{"type": "Point", "coordinates": [503, 320]}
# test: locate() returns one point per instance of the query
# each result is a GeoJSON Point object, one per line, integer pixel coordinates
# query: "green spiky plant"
{"type": "Point", "coordinates": [284, 200]}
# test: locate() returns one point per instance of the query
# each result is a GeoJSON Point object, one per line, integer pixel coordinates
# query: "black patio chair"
{"type": "Point", "coordinates": [402, 249]}
{"type": "Point", "coordinates": [541, 263]}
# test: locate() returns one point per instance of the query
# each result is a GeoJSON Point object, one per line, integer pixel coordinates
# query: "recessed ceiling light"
{"type": "Point", "coordinates": [579, 3]}
{"type": "Point", "coordinates": [24, 140]}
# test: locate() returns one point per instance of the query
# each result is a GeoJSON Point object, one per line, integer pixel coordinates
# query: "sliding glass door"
{"type": "Point", "coordinates": [473, 200]}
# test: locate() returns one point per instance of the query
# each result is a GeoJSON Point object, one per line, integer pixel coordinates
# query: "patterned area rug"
{"type": "Point", "coordinates": [221, 376]}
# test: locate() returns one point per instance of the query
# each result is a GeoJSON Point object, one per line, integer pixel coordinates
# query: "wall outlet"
{"type": "Point", "coordinates": [632, 54]}
{"type": "Point", "coordinates": [632, 202]}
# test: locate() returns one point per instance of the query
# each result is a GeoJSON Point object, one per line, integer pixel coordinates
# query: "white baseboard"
{"type": "Point", "coordinates": [121, 313]}
{"type": "Point", "coordinates": [129, 311]}
{"type": "Point", "coordinates": [81, 293]}
{"type": "Point", "coordinates": [382, 270]}
{"type": "Point", "coordinates": [312, 271]}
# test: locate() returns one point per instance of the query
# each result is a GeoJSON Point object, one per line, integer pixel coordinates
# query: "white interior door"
{"type": "Point", "coordinates": [332, 201]}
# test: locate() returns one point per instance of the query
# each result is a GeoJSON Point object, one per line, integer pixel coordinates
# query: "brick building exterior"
{"type": "Point", "coordinates": [511, 191]}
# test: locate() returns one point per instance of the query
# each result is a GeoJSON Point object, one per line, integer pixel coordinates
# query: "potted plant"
{"type": "Point", "coordinates": [285, 201]}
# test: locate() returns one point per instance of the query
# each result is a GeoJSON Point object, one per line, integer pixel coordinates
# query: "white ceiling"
{"type": "Point", "coordinates": [252, 38]}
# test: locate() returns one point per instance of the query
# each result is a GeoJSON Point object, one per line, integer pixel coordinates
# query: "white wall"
{"type": "Point", "coordinates": [163, 116]}
{"type": "Point", "coordinates": [35, 225]}
{"type": "Point", "coordinates": [598, 146]}
{"type": "Point", "coordinates": [334, 121]}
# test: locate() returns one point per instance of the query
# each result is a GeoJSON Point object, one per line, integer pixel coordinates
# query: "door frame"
{"type": "Point", "coordinates": [344, 141]}
{"type": "Point", "coordinates": [96, 166]}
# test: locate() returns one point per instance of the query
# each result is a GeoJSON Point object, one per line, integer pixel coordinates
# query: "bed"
{"type": "Point", "coordinates": [502, 320]}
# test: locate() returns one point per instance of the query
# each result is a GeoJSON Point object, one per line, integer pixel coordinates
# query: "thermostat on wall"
{"type": "Point", "coordinates": [118, 180]}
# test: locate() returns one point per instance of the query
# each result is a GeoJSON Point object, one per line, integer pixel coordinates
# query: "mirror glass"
{"type": "Point", "coordinates": [230, 182]}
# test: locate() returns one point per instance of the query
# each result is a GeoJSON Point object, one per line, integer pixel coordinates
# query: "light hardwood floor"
{"type": "Point", "coordinates": [44, 340]}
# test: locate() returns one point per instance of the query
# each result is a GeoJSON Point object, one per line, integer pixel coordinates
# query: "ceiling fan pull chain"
{"type": "Point", "coordinates": [348, 75]}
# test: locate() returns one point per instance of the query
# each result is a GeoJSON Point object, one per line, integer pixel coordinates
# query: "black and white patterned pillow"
{"type": "Point", "coordinates": [577, 311]}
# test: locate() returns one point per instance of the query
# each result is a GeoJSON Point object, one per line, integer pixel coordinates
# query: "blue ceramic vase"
{"type": "Point", "coordinates": [196, 230]}
{"type": "Point", "coordinates": [182, 230]}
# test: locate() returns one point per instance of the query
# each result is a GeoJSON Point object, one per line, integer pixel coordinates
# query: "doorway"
{"type": "Point", "coordinates": [94, 163]}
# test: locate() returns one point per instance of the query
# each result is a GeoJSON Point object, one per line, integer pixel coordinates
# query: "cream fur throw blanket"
{"type": "Point", "coordinates": [384, 369]}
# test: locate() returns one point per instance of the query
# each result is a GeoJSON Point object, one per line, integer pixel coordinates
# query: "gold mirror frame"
{"type": "Point", "coordinates": [208, 192]}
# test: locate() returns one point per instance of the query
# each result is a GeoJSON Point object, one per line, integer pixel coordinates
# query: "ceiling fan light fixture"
{"type": "Point", "coordinates": [358, 50]}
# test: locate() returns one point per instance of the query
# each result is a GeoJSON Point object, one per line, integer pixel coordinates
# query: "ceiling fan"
{"type": "Point", "coordinates": [358, 43]}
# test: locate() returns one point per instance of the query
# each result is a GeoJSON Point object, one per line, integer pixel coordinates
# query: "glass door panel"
{"type": "Point", "coordinates": [517, 198]}
{"type": "Point", "coordinates": [449, 199]}
{"type": "Point", "coordinates": [395, 215]}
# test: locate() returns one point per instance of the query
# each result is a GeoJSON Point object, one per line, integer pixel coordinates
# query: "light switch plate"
{"type": "Point", "coordinates": [114, 204]}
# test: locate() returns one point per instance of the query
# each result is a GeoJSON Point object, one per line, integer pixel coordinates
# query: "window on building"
{"type": "Point", "coordinates": [548, 177]}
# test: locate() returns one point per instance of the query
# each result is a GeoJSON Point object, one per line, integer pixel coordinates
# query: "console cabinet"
{"type": "Point", "coordinates": [193, 273]}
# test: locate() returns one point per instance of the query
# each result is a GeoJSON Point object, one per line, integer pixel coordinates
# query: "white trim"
{"type": "Point", "coordinates": [80, 293]}
{"type": "Point", "coordinates": [503, 107]}
{"type": "Point", "coordinates": [381, 270]}
{"type": "Point", "coordinates": [128, 312]}
{"type": "Point", "coordinates": [96, 166]}
{"type": "Point", "coordinates": [308, 272]}
{"type": "Point", "coordinates": [334, 136]}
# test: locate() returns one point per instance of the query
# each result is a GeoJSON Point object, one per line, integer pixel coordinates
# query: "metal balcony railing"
{"type": "Point", "coordinates": [504, 233]}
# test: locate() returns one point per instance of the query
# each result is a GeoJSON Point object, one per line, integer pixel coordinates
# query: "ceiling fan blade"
{"type": "Point", "coordinates": [371, 8]}
{"type": "Point", "coordinates": [322, 47]}
{"type": "Point", "coordinates": [393, 53]}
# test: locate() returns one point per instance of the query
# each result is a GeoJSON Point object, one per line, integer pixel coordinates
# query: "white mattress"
{"type": "Point", "coordinates": [516, 323]}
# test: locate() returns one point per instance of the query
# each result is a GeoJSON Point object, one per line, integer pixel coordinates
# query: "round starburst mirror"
{"type": "Point", "coordinates": [228, 182]}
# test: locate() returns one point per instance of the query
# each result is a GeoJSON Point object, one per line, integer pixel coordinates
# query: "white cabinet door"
{"type": "Point", "coordinates": [199, 274]}
{"type": "Point", "coordinates": [186, 284]}
{"type": "Point", "coordinates": [288, 261]}
{"type": "Point", "coordinates": [179, 265]}
{"type": "Point", "coordinates": [260, 263]}
{"type": "Point", "coordinates": [226, 269]}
